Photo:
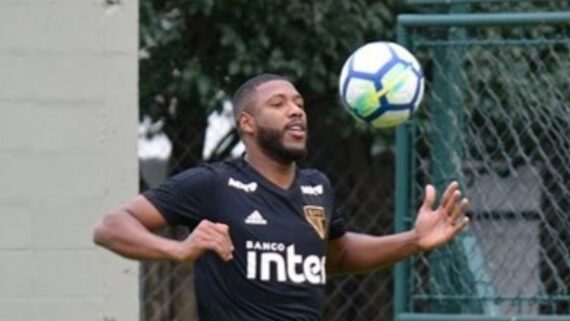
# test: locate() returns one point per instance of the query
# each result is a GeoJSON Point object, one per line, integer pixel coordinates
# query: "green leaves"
{"type": "Point", "coordinates": [192, 50]}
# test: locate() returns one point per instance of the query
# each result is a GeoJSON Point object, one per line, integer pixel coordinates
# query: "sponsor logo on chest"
{"type": "Point", "coordinates": [274, 261]}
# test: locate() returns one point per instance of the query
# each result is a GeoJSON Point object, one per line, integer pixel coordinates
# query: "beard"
{"type": "Point", "coordinates": [270, 141]}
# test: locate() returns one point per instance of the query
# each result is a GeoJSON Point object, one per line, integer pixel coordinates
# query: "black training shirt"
{"type": "Point", "coordinates": [279, 235]}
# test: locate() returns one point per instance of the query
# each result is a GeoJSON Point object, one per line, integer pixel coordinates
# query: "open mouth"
{"type": "Point", "coordinates": [296, 126]}
{"type": "Point", "coordinates": [297, 129]}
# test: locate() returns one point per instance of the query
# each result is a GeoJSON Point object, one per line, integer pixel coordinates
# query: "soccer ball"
{"type": "Point", "coordinates": [381, 83]}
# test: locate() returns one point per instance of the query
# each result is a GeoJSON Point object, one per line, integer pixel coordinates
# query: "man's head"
{"type": "Point", "coordinates": [270, 116]}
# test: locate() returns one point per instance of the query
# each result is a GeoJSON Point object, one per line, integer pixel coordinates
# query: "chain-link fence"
{"type": "Point", "coordinates": [496, 119]}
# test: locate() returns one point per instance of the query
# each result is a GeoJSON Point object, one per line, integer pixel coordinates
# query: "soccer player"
{"type": "Point", "coordinates": [265, 233]}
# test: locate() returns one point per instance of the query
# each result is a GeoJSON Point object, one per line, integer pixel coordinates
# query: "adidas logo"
{"type": "Point", "coordinates": [255, 218]}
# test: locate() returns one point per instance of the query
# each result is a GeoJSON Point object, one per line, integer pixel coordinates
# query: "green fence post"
{"type": "Point", "coordinates": [473, 291]}
{"type": "Point", "coordinates": [403, 197]}
{"type": "Point", "coordinates": [446, 155]}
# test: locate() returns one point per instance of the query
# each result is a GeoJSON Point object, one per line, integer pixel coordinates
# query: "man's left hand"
{"type": "Point", "coordinates": [434, 228]}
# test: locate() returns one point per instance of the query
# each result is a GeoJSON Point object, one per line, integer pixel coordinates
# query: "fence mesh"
{"type": "Point", "coordinates": [496, 119]}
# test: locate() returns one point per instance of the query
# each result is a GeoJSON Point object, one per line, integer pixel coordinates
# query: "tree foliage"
{"type": "Point", "coordinates": [199, 51]}
{"type": "Point", "coordinates": [193, 54]}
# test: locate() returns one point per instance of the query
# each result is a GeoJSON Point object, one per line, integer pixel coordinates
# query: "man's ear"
{"type": "Point", "coordinates": [246, 123]}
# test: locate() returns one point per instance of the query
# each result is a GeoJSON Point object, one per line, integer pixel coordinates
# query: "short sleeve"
{"type": "Point", "coordinates": [186, 198]}
{"type": "Point", "coordinates": [337, 225]}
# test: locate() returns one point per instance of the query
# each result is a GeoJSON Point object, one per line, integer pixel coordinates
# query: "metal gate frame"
{"type": "Point", "coordinates": [405, 136]}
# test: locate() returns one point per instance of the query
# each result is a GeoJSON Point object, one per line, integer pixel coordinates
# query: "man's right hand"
{"type": "Point", "coordinates": [207, 236]}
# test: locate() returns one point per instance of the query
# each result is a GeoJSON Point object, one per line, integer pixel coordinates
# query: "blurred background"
{"type": "Point", "coordinates": [497, 99]}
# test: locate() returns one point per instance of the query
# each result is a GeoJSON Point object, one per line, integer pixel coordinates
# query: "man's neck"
{"type": "Point", "coordinates": [280, 174]}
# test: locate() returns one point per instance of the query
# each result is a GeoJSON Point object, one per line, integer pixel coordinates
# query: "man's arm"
{"type": "Point", "coordinates": [358, 252]}
{"type": "Point", "coordinates": [355, 252]}
{"type": "Point", "coordinates": [127, 231]}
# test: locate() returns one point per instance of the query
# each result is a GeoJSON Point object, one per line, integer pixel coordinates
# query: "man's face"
{"type": "Point", "coordinates": [281, 123]}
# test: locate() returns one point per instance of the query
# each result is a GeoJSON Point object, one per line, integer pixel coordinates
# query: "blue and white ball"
{"type": "Point", "coordinates": [382, 83]}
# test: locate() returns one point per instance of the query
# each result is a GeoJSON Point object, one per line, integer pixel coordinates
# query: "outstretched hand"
{"type": "Point", "coordinates": [434, 228]}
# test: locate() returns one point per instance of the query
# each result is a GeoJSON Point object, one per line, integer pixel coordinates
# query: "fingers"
{"type": "Point", "coordinates": [219, 241]}
{"type": "Point", "coordinates": [455, 208]}
{"type": "Point", "coordinates": [452, 204]}
{"type": "Point", "coordinates": [449, 197]}
{"type": "Point", "coordinates": [208, 236]}
{"type": "Point", "coordinates": [224, 230]}
{"type": "Point", "coordinates": [449, 201]}
{"type": "Point", "coordinates": [460, 224]}
{"type": "Point", "coordinates": [457, 213]}
{"type": "Point", "coordinates": [429, 198]}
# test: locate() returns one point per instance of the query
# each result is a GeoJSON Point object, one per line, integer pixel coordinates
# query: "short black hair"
{"type": "Point", "coordinates": [243, 94]}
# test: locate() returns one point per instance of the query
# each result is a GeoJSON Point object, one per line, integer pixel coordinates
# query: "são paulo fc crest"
{"type": "Point", "coordinates": [315, 215]}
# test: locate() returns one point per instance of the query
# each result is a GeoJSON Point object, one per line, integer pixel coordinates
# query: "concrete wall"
{"type": "Point", "coordinates": [68, 104]}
